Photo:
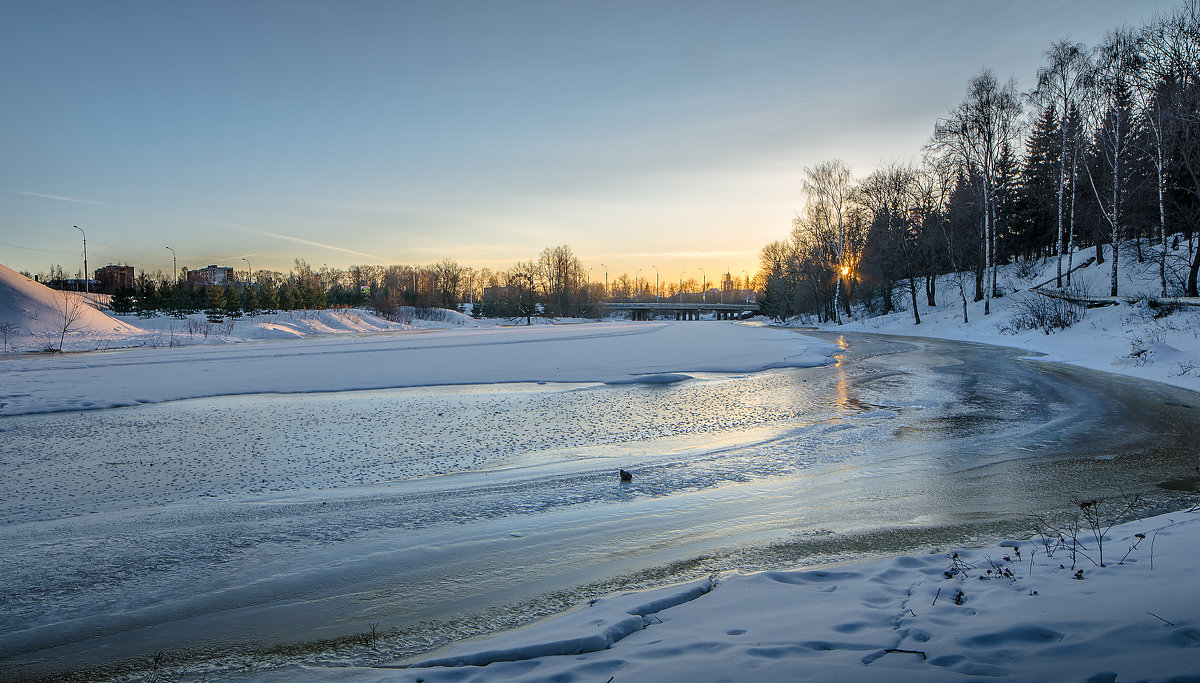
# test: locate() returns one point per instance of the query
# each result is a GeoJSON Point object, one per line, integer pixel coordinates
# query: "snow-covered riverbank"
{"type": "Point", "coordinates": [1159, 344]}
{"type": "Point", "coordinates": [1024, 610]}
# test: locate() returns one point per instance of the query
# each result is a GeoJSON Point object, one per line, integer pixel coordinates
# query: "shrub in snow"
{"type": "Point", "coordinates": [1038, 312]}
{"type": "Point", "coordinates": [406, 314]}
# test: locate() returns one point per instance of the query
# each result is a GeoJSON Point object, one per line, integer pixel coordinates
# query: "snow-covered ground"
{"type": "Point", "coordinates": [1128, 339]}
{"type": "Point", "coordinates": [35, 317]}
{"type": "Point", "coordinates": [598, 352]}
{"type": "Point", "coordinates": [1024, 610]}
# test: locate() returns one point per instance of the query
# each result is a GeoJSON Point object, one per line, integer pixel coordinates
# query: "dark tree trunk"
{"type": "Point", "coordinates": [912, 290]}
{"type": "Point", "coordinates": [1191, 283]}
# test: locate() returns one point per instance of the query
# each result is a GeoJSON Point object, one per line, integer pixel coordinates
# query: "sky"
{"type": "Point", "coordinates": [661, 137]}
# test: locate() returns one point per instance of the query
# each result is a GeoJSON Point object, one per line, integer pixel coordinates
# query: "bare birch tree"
{"type": "Point", "coordinates": [1061, 82]}
{"type": "Point", "coordinates": [829, 186]}
{"type": "Point", "coordinates": [976, 135]}
{"type": "Point", "coordinates": [1109, 116]}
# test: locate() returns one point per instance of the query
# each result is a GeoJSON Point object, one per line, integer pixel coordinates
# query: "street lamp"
{"type": "Point", "coordinates": [249, 271]}
{"type": "Point", "coordinates": [681, 286]}
{"type": "Point", "coordinates": [747, 278]}
{"type": "Point", "coordinates": [636, 288]}
{"type": "Point", "coordinates": [85, 273]}
{"type": "Point", "coordinates": [655, 283]}
{"type": "Point", "coordinates": [174, 266]}
{"type": "Point", "coordinates": [605, 281]}
{"type": "Point", "coordinates": [703, 281]}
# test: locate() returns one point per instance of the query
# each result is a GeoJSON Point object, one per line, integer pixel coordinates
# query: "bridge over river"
{"type": "Point", "coordinates": [650, 310]}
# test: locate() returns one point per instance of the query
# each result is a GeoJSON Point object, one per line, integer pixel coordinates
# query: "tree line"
{"type": "Point", "coordinates": [555, 283]}
{"type": "Point", "coordinates": [1102, 153]}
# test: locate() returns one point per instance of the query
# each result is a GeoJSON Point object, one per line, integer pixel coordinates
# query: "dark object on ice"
{"type": "Point", "coordinates": [625, 476]}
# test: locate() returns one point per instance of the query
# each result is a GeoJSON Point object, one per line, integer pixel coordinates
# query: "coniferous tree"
{"type": "Point", "coordinates": [1035, 226]}
{"type": "Point", "coordinates": [122, 301]}
{"type": "Point", "coordinates": [286, 296]}
{"type": "Point", "coordinates": [267, 297]}
{"type": "Point", "coordinates": [250, 301]}
{"type": "Point", "coordinates": [215, 307]}
{"type": "Point", "coordinates": [233, 301]}
{"type": "Point", "coordinates": [147, 301]}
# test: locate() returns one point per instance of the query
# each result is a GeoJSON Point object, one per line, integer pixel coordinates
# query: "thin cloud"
{"type": "Point", "coordinates": [60, 198]}
{"type": "Point", "coordinates": [299, 240]}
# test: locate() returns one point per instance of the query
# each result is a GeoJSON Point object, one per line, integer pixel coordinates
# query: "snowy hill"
{"type": "Point", "coordinates": [37, 315]}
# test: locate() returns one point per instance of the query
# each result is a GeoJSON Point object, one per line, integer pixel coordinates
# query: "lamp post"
{"type": "Point", "coordinates": [703, 281]}
{"type": "Point", "coordinates": [636, 288]}
{"type": "Point", "coordinates": [174, 266]}
{"type": "Point", "coordinates": [747, 278]}
{"type": "Point", "coordinates": [588, 290]}
{"type": "Point", "coordinates": [249, 271]}
{"type": "Point", "coordinates": [681, 286]}
{"type": "Point", "coordinates": [605, 281]}
{"type": "Point", "coordinates": [655, 283]}
{"type": "Point", "coordinates": [85, 272]}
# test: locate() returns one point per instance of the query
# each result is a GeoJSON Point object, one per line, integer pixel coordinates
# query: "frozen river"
{"type": "Point", "coordinates": [228, 526]}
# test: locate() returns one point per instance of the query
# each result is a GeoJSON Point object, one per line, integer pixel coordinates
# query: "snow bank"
{"type": "Point", "coordinates": [1128, 339]}
{"type": "Point", "coordinates": [36, 315]}
{"type": "Point", "coordinates": [597, 626]}
{"type": "Point", "coordinates": [1019, 611]}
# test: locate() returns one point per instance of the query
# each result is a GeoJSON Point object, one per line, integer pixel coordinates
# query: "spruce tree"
{"type": "Point", "coordinates": [215, 307]}
{"type": "Point", "coordinates": [267, 297]}
{"type": "Point", "coordinates": [122, 301]}
{"type": "Point", "coordinates": [1037, 196]}
{"type": "Point", "coordinates": [250, 301]}
{"type": "Point", "coordinates": [233, 302]}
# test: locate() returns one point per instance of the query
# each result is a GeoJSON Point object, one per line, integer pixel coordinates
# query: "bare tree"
{"type": "Point", "coordinates": [68, 310]}
{"type": "Point", "coordinates": [891, 194]}
{"type": "Point", "coordinates": [8, 331]}
{"type": "Point", "coordinates": [564, 277]}
{"type": "Point", "coordinates": [829, 186]}
{"type": "Point", "coordinates": [1061, 83]}
{"type": "Point", "coordinates": [1165, 91]}
{"type": "Point", "coordinates": [1109, 115]}
{"type": "Point", "coordinates": [975, 136]}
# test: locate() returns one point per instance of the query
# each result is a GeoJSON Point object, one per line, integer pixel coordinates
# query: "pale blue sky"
{"type": "Point", "coordinates": [669, 134]}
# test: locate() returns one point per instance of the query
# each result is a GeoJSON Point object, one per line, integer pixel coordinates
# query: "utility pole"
{"type": "Point", "coordinates": [174, 267]}
{"type": "Point", "coordinates": [86, 277]}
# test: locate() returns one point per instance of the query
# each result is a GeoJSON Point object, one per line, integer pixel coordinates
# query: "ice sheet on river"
{"type": "Point", "coordinates": [600, 352]}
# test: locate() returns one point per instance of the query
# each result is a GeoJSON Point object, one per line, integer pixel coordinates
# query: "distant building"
{"type": "Point", "coordinates": [495, 293]}
{"type": "Point", "coordinates": [212, 275]}
{"type": "Point", "coordinates": [112, 278]}
{"type": "Point", "coordinates": [74, 284]}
